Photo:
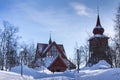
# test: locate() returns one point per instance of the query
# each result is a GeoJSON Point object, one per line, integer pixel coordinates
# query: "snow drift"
{"type": "Point", "coordinates": [27, 71]}
{"type": "Point", "coordinates": [99, 71]}
{"type": "Point", "coordinates": [4, 75]}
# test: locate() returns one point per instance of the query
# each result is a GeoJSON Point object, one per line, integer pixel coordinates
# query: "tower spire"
{"type": "Point", "coordinates": [98, 28]}
{"type": "Point", "coordinates": [98, 21]}
{"type": "Point", "coordinates": [98, 18]}
{"type": "Point", "coordinates": [50, 40]}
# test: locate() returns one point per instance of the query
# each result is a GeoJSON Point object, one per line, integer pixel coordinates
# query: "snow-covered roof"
{"type": "Point", "coordinates": [46, 48]}
{"type": "Point", "coordinates": [98, 26]}
{"type": "Point", "coordinates": [41, 47]}
{"type": "Point", "coordinates": [98, 36]}
{"type": "Point", "coordinates": [49, 60]}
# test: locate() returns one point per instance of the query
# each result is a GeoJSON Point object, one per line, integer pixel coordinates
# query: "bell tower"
{"type": "Point", "coordinates": [98, 45]}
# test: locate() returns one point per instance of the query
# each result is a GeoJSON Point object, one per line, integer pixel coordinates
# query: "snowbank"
{"type": "Point", "coordinates": [27, 71]}
{"type": "Point", "coordinates": [99, 71]}
{"type": "Point", "coordinates": [102, 64]}
{"type": "Point", "coordinates": [43, 69]}
{"type": "Point", "coordinates": [102, 74]}
{"type": "Point", "coordinates": [4, 75]}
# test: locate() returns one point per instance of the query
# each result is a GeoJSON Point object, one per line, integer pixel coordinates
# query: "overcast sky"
{"type": "Point", "coordinates": [69, 21]}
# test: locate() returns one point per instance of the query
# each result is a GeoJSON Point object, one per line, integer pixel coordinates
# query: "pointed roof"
{"type": "Point", "coordinates": [42, 49]}
{"type": "Point", "coordinates": [98, 28]}
{"type": "Point", "coordinates": [50, 40]}
{"type": "Point", "coordinates": [60, 60]}
{"type": "Point", "coordinates": [98, 21]}
{"type": "Point", "coordinates": [59, 47]}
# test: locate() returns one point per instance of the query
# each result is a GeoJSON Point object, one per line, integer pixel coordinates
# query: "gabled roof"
{"type": "Point", "coordinates": [64, 62]}
{"type": "Point", "coordinates": [61, 61]}
{"type": "Point", "coordinates": [40, 48]}
{"type": "Point", "coordinates": [44, 48]}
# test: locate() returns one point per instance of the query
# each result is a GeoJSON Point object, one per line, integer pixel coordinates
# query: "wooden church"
{"type": "Point", "coordinates": [52, 56]}
{"type": "Point", "coordinates": [98, 45]}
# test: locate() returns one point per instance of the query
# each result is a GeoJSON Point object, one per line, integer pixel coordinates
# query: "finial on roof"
{"type": "Point", "coordinates": [98, 7]}
{"type": "Point", "coordinates": [98, 28]}
{"type": "Point", "coordinates": [50, 40]}
{"type": "Point", "coordinates": [98, 18]}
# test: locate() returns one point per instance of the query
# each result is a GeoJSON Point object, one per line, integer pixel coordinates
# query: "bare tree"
{"type": "Point", "coordinates": [78, 57]}
{"type": "Point", "coordinates": [117, 38]}
{"type": "Point", "coordinates": [8, 45]}
{"type": "Point", "coordinates": [28, 53]}
{"type": "Point", "coordinates": [85, 53]}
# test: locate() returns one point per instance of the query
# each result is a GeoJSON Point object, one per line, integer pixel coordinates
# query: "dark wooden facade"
{"type": "Point", "coordinates": [98, 45]}
{"type": "Point", "coordinates": [58, 65]}
{"type": "Point", "coordinates": [56, 52]}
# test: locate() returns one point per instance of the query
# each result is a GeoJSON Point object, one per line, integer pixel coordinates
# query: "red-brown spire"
{"type": "Point", "coordinates": [98, 21]}
{"type": "Point", "coordinates": [98, 29]}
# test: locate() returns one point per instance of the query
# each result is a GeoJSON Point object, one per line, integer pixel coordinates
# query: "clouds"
{"type": "Point", "coordinates": [81, 9]}
{"type": "Point", "coordinates": [33, 21]}
{"type": "Point", "coordinates": [67, 19]}
{"type": "Point", "coordinates": [52, 19]}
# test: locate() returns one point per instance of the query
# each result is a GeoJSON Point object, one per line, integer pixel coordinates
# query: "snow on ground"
{"type": "Point", "coordinates": [99, 71]}
{"type": "Point", "coordinates": [100, 65]}
{"type": "Point", "coordinates": [28, 71]}
{"type": "Point", "coordinates": [44, 74]}
{"type": "Point", "coordinates": [4, 75]}
{"type": "Point", "coordinates": [103, 74]}
{"type": "Point", "coordinates": [67, 75]}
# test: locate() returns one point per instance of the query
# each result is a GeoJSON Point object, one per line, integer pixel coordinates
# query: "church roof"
{"type": "Point", "coordinates": [53, 55]}
{"type": "Point", "coordinates": [64, 62]}
{"type": "Point", "coordinates": [98, 22]}
{"type": "Point", "coordinates": [50, 40]}
{"type": "Point", "coordinates": [98, 28]}
{"type": "Point", "coordinates": [98, 36]}
{"type": "Point", "coordinates": [60, 59]}
{"type": "Point", "coordinates": [44, 48]}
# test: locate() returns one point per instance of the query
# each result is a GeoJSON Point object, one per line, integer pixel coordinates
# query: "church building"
{"type": "Point", "coordinates": [98, 45]}
{"type": "Point", "coordinates": [52, 56]}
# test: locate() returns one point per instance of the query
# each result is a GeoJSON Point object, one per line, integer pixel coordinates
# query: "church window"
{"type": "Point", "coordinates": [53, 52]}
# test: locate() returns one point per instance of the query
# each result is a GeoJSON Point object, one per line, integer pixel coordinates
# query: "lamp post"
{"type": "Point", "coordinates": [21, 53]}
{"type": "Point", "coordinates": [78, 59]}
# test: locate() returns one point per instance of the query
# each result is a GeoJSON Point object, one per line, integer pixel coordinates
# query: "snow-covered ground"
{"type": "Point", "coordinates": [108, 74]}
{"type": "Point", "coordinates": [5, 75]}
{"type": "Point", "coordinates": [100, 71]}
